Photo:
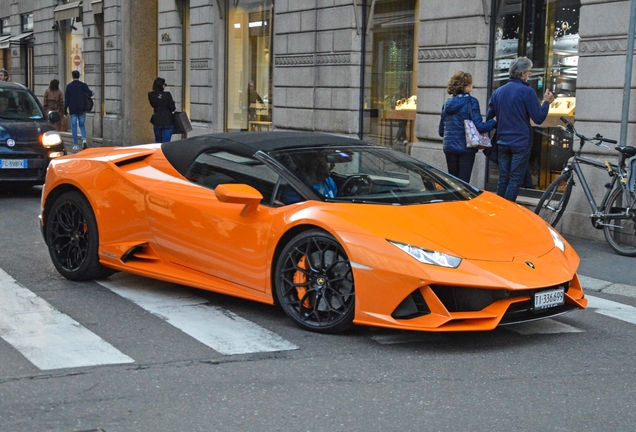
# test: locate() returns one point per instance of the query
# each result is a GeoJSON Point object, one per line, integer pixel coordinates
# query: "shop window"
{"type": "Point", "coordinates": [249, 65]}
{"type": "Point", "coordinates": [547, 32]}
{"type": "Point", "coordinates": [390, 89]}
{"type": "Point", "coordinates": [74, 42]}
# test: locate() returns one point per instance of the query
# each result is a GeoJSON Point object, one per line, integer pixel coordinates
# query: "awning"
{"type": "Point", "coordinates": [97, 6]}
{"type": "Point", "coordinates": [68, 10]}
{"type": "Point", "coordinates": [8, 41]}
{"type": "Point", "coordinates": [4, 42]}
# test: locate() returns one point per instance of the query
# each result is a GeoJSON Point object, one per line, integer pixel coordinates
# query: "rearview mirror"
{"type": "Point", "coordinates": [54, 116]}
{"type": "Point", "coordinates": [239, 194]}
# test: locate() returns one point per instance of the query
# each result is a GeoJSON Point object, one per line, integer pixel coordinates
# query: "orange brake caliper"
{"type": "Point", "coordinates": [301, 278]}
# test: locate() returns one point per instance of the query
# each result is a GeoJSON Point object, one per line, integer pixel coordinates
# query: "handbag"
{"type": "Point", "coordinates": [492, 153]}
{"type": "Point", "coordinates": [181, 123]}
{"type": "Point", "coordinates": [89, 103]}
{"type": "Point", "coordinates": [475, 139]}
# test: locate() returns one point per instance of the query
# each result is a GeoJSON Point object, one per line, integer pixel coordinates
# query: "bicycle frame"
{"type": "Point", "coordinates": [616, 214]}
{"type": "Point", "coordinates": [576, 166]}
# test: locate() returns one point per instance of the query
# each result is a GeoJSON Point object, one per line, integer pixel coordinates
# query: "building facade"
{"type": "Point", "coordinates": [375, 69]}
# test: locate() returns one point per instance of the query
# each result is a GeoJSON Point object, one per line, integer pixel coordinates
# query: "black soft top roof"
{"type": "Point", "coordinates": [182, 153]}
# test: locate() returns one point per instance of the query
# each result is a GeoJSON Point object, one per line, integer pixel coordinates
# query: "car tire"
{"type": "Point", "coordinates": [72, 238]}
{"type": "Point", "coordinates": [314, 283]}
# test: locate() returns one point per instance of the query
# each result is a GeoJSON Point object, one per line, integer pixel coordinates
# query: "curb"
{"type": "Point", "coordinates": [598, 285]}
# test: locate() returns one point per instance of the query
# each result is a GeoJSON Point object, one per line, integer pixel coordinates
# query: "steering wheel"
{"type": "Point", "coordinates": [355, 185]}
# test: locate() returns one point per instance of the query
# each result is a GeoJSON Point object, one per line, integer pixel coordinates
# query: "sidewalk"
{"type": "Point", "coordinates": [603, 270]}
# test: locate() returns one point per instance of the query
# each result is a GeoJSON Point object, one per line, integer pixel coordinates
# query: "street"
{"type": "Point", "coordinates": [139, 362]}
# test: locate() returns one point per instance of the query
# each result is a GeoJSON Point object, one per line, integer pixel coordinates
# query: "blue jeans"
{"type": "Point", "coordinates": [460, 164]}
{"type": "Point", "coordinates": [78, 118]}
{"type": "Point", "coordinates": [513, 164]}
{"type": "Point", "coordinates": [163, 133]}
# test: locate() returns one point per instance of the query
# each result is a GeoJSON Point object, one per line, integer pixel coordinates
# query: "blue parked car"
{"type": "Point", "coordinates": [28, 139]}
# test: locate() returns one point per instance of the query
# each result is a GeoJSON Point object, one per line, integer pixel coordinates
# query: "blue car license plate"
{"type": "Point", "coordinates": [14, 163]}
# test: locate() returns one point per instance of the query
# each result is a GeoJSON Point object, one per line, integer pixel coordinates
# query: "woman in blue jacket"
{"type": "Point", "coordinates": [459, 107]}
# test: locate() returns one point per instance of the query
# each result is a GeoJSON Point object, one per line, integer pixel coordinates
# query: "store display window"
{"type": "Point", "coordinates": [249, 65]}
{"type": "Point", "coordinates": [547, 32]}
{"type": "Point", "coordinates": [390, 87]}
{"type": "Point", "coordinates": [74, 48]}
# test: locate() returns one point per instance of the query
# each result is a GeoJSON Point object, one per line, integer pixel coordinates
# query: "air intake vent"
{"type": "Point", "coordinates": [412, 306]}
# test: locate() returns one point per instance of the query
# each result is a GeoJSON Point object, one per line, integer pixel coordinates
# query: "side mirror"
{"type": "Point", "coordinates": [54, 116]}
{"type": "Point", "coordinates": [239, 194]}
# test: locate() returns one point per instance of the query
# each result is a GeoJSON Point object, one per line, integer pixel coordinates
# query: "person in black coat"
{"type": "Point", "coordinates": [163, 106]}
{"type": "Point", "coordinates": [75, 98]}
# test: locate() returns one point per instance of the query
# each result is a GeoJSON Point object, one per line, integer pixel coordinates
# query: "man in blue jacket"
{"type": "Point", "coordinates": [514, 104]}
{"type": "Point", "coordinates": [75, 103]}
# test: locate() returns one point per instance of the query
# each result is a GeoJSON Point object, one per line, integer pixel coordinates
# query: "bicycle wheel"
{"type": "Point", "coordinates": [555, 199]}
{"type": "Point", "coordinates": [619, 223]}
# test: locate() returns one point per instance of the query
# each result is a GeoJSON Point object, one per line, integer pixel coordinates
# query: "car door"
{"type": "Point", "coordinates": [198, 231]}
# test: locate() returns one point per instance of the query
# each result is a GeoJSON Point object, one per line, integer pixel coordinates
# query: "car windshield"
{"type": "Point", "coordinates": [372, 174]}
{"type": "Point", "coordinates": [16, 104]}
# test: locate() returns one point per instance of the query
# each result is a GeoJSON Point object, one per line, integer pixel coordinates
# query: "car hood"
{"type": "Point", "coordinates": [486, 228]}
{"type": "Point", "coordinates": [29, 130]}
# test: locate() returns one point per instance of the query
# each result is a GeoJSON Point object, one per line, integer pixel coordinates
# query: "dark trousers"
{"type": "Point", "coordinates": [460, 164]}
{"type": "Point", "coordinates": [513, 165]}
{"type": "Point", "coordinates": [163, 133]}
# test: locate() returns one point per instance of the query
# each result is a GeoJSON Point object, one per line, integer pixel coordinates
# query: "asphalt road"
{"type": "Point", "coordinates": [572, 373]}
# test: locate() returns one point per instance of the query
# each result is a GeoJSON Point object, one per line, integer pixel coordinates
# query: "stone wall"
{"type": "Point", "coordinates": [599, 100]}
{"type": "Point", "coordinates": [316, 66]}
{"type": "Point", "coordinates": [453, 36]}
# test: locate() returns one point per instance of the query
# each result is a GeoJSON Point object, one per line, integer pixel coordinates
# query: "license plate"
{"type": "Point", "coordinates": [549, 298]}
{"type": "Point", "coordinates": [14, 163]}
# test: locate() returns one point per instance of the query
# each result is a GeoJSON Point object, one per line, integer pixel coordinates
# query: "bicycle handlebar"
{"type": "Point", "coordinates": [598, 138]}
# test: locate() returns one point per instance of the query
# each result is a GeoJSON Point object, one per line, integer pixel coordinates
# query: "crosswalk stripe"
{"type": "Point", "coordinates": [612, 309]}
{"type": "Point", "coordinates": [46, 337]}
{"type": "Point", "coordinates": [218, 328]}
{"type": "Point", "coordinates": [544, 326]}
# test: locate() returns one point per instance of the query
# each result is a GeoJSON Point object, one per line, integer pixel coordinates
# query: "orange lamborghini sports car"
{"type": "Point", "coordinates": [334, 230]}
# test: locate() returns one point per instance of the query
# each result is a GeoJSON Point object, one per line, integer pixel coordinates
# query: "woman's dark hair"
{"type": "Point", "coordinates": [157, 86]}
{"type": "Point", "coordinates": [54, 85]}
{"type": "Point", "coordinates": [458, 83]}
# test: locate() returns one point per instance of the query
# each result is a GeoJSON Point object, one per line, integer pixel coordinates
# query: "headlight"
{"type": "Point", "coordinates": [558, 241]}
{"type": "Point", "coordinates": [428, 256]}
{"type": "Point", "coordinates": [50, 139]}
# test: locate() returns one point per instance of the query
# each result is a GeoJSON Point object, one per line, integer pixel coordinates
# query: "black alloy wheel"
{"type": "Point", "coordinates": [314, 283]}
{"type": "Point", "coordinates": [72, 237]}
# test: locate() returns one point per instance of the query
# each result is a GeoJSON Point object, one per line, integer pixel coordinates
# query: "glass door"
{"type": "Point", "coordinates": [249, 65]}
{"type": "Point", "coordinates": [547, 32]}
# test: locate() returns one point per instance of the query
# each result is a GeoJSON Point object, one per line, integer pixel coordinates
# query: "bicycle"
{"type": "Point", "coordinates": [616, 215]}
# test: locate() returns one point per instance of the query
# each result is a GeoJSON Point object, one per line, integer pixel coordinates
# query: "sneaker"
{"type": "Point", "coordinates": [84, 145]}
{"type": "Point", "coordinates": [76, 148]}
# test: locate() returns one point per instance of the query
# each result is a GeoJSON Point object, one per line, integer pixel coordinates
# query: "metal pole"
{"type": "Point", "coordinates": [629, 61]}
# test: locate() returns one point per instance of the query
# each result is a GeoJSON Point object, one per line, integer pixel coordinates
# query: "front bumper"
{"type": "Point", "coordinates": [34, 165]}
